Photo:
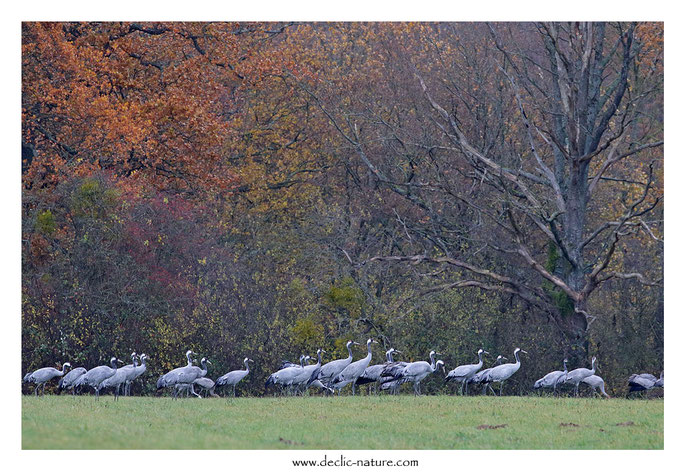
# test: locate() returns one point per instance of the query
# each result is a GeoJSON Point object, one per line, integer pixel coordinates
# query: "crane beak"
{"type": "Point", "coordinates": [208, 361]}
{"type": "Point", "coordinates": [356, 343]}
{"type": "Point", "coordinates": [398, 352]}
{"type": "Point", "coordinates": [486, 352]}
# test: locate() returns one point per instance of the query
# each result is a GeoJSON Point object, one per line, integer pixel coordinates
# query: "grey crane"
{"type": "Point", "coordinates": [206, 384]}
{"type": "Point", "coordinates": [661, 381]}
{"type": "Point", "coordinates": [640, 382]}
{"type": "Point", "coordinates": [95, 376]}
{"type": "Point", "coordinates": [388, 381]}
{"type": "Point", "coordinates": [596, 383]}
{"type": "Point", "coordinates": [577, 375]}
{"type": "Point", "coordinates": [286, 376]}
{"type": "Point", "coordinates": [415, 372]}
{"type": "Point", "coordinates": [373, 372]}
{"type": "Point", "coordinates": [188, 374]}
{"type": "Point", "coordinates": [130, 371]}
{"type": "Point", "coordinates": [119, 378]}
{"type": "Point", "coordinates": [353, 371]}
{"type": "Point", "coordinates": [552, 379]}
{"type": "Point", "coordinates": [309, 372]}
{"type": "Point", "coordinates": [331, 369]}
{"type": "Point", "coordinates": [69, 381]}
{"type": "Point", "coordinates": [41, 376]}
{"type": "Point", "coordinates": [503, 372]}
{"type": "Point", "coordinates": [479, 377]}
{"type": "Point", "coordinates": [464, 372]}
{"type": "Point", "coordinates": [138, 371]}
{"type": "Point", "coordinates": [232, 378]}
{"type": "Point", "coordinates": [170, 377]}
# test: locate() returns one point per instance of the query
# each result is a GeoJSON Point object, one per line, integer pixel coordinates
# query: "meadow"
{"type": "Point", "coordinates": [361, 422]}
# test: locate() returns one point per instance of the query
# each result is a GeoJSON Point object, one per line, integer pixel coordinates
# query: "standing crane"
{"type": "Point", "coordinates": [95, 376]}
{"type": "Point", "coordinates": [388, 382]}
{"type": "Point", "coordinates": [170, 377]}
{"type": "Point", "coordinates": [287, 375]}
{"type": "Point", "coordinates": [119, 377]}
{"type": "Point", "coordinates": [479, 377]}
{"type": "Point", "coordinates": [354, 370]}
{"type": "Point", "coordinates": [373, 372]}
{"type": "Point", "coordinates": [232, 378]}
{"type": "Point", "coordinates": [596, 383]}
{"type": "Point", "coordinates": [138, 371]}
{"type": "Point", "coordinates": [69, 381]}
{"type": "Point", "coordinates": [552, 379]}
{"type": "Point", "coordinates": [331, 369]}
{"type": "Point", "coordinates": [188, 374]}
{"type": "Point", "coordinates": [503, 372]}
{"type": "Point", "coordinates": [577, 375]}
{"type": "Point", "coordinates": [465, 372]}
{"type": "Point", "coordinates": [415, 372]}
{"type": "Point", "coordinates": [41, 376]}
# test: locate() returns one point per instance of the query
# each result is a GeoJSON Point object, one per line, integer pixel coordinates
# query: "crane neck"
{"type": "Point", "coordinates": [350, 351]}
{"type": "Point", "coordinates": [319, 357]}
{"type": "Point", "coordinates": [516, 354]}
{"type": "Point", "coordinates": [247, 365]}
{"type": "Point", "coordinates": [389, 356]}
{"type": "Point", "coordinates": [481, 360]}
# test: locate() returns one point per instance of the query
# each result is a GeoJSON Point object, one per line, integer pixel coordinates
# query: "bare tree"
{"type": "Point", "coordinates": [498, 139]}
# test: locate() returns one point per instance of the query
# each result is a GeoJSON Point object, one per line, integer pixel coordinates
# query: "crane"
{"type": "Point", "coordinates": [353, 371]}
{"type": "Point", "coordinates": [69, 380]}
{"type": "Point", "coordinates": [577, 375]}
{"type": "Point", "coordinates": [596, 382]}
{"type": "Point", "coordinates": [287, 375]}
{"type": "Point", "coordinates": [479, 377]}
{"type": "Point", "coordinates": [41, 376]}
{"type": "Point", "coordinates": [119, 377]}
{"type": "Point", "coordinates": [95, 376]}
{"type": "Point", "coordinates": [464, 372]}
{"type": "Point", "coordinates": [503, 372]}
{"type": "Point", "coordinates": [639, 382]}
{"type": "Point", "coordinates": [169, 378]}
{"type": "Point", "coordinates": [388, 382]}
{"type": "Point", "coordinates": [232, 378]}
{"type": "Point", "coordinates": [415, 372]}
{"type": "Point", "coordinates": [331, 369]}
{"type": "Point", "coordinates": [552, 379]}
{"type": "Point", "coordinates": [138, 371]}
{"type": "Point", "coordinates": [188, 374]}
{"type": "Point", "coordinates": [373, 372]}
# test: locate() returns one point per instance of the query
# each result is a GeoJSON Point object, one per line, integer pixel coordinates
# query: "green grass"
{"type": "Point", "coordinates": [361, 422]}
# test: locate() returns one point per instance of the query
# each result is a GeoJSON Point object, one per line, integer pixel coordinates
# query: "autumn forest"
{"type": "Point", "coordinates": [265, 189]}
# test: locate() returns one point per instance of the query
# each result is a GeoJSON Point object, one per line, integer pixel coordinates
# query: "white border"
{"type": "Point", "coordinates": [355, 10]}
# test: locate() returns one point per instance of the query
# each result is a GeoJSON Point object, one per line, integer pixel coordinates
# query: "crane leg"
{"type": "Point", "coordinates": [353, 389]}
{"type": "Point", "coordinates": [501, 389]}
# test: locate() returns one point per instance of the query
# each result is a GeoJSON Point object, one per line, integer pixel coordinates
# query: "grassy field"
{"type": "Point", "coordinates": [368, 422]}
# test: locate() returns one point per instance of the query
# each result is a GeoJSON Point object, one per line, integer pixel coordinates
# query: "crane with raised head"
{"type": "Point", "coordinates": [188, 374]}
{"type": "Point", "coordinates": [331, 369]}
{"type": "Point", "coordinates": [373, 372]}
{"type": "Point", "coordinates": [232, 378]}
{"type": "Point", "coordinates": [464, 372]}
{"type": "Point", "coordinates": [577, 375]}
{"type": "Point", "coordinates": [69, 380]}
{"type": "Point", "coordinates": [552, 379]}
{"type": "Point", "coordinates": [138, 371]}
{"type": "Point", "coordinates": [119, 378]}
{"type": "Point", "coordinates": [170, 377]}
{"type": "Point", "coordinates": [285, 376]}
{"type": "Point", "coordinates": [42, 376]}
{"type": "Point", "coordinates": [415, 372]}
{"type": "Point", "coordinates": [503, 372]}
{"type": "Point", "coordinates": [353, 371]}
{"type": "Point", "coordinates": [479, 377]}
{"type": "Point", "coordinates": [95, 377]}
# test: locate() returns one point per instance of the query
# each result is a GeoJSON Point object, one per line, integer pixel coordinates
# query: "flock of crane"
{"type": "Point", "coordinates": [330, 377]}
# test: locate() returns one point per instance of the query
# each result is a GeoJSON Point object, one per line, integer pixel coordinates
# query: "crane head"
{"type": "Point", "coordinates": [66, 364]}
